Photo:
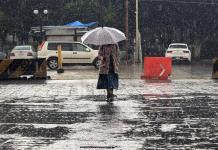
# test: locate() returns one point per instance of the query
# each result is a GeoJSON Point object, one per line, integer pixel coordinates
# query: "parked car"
{"type": "Point", "coordinates": [72, 53]}
{"type": "Point", "coordinates": [23, 52]}
{"type": "Point", "coordinates": [178, 52]}
{"type": "Point", "coordinates": [2, 55]}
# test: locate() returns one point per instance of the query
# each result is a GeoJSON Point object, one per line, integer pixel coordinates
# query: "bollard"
{"type": "Point", "coordinates": [60, 67]}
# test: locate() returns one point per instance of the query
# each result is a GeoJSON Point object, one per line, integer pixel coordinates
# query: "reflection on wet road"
{"type": "Point", "coordinates": [195, 70]}
{"type": "Point", "coordinates": [72, 114]}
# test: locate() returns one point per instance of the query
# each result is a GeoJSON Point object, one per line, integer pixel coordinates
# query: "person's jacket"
{"type": "Point", "coordinates": [104, 54]}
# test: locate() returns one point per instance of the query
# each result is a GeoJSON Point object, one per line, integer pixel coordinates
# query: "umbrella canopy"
{"type": "Point", "coordinates": [103, 35]}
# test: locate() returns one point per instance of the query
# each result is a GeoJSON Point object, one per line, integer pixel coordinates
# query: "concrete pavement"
{"type": "Point", "coordinates": [72, 114]}
{"type": "Point", "coordinates": [69, 113]}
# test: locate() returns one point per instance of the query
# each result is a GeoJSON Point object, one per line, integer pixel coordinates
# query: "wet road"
{"type": "Point", "coordinates": [72, 114]}
{"type": "Point", "coordinates": [196, 70]}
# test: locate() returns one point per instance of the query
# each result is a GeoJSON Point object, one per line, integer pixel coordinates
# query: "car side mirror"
{"type": "Point", "coordinates": [88, 50]}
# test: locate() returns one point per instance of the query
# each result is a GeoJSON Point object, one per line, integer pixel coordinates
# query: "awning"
{"type": "Point", "coordinates": [80, 24]}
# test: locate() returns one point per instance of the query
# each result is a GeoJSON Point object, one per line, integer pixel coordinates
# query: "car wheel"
{"type": "Point", "coordinates": [96, 63]}
{"type": "Point", "coordinates": [53, 63]}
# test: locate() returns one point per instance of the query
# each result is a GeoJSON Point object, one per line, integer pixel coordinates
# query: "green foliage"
{"type": "Point", "coordinates": [21, 19]}
{"type": "Point", "coordinates": [109, 15]}
{"type": "Point", "coordinates": [3, 22]}
{"type": "Point", "coordinates": [82, 10]}
{"type": "Point", "coordinates": [191, 23]}
{"type": "Point", "coordinates": [3, 28]}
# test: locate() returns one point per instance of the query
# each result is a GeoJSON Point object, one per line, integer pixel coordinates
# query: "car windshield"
{"type": "Point", "coordinates": [177, 46]}
{"type": "Point", "coordinates": [22, 48]}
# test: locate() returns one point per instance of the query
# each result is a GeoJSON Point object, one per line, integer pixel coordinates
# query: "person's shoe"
{"type": "Point", "coordinates": [114, 95]}
{"type": "Point", "coordinates": [110, 99]}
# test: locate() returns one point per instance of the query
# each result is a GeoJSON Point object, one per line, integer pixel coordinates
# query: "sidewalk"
{"type": "Point", "coordinates": [69, 113]}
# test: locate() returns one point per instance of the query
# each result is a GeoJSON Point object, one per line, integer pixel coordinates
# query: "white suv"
{"type": "Point", "coordinates": [72, 53]}
{"type": "Point", "coordinates": [178, 51]}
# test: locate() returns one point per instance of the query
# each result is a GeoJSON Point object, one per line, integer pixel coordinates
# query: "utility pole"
{"type": "Point", "coordinates": [136, 32]}
{"type": "Point", "coordinates": [138, 55]}
{"type": "Point", "coordinates": [127, 27]}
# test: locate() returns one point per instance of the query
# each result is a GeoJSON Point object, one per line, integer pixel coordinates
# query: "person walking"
{"type": "Point", "coordinates": [108, 69]}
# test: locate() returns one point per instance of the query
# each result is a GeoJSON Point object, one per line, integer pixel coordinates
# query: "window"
{"type": "Point", "coordinates": [22, 48]}
{"type": "Point", "coordinates": [52, 46]}
{"type": "Point", "coordinates": [178, 46]}
{"type": "Point", "coordinates": [64, 46]}
{"type": "Point", "coordinates": [79, 47]}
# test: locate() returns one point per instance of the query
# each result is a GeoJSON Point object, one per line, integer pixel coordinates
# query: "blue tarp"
{"type": "Point", "coordinates": [80, 24]}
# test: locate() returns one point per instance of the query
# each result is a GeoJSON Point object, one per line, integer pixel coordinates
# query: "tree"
{"type": "Point", "coordinates": [3, 29]}
{"type": "Point", "coordinates": [179, 22]}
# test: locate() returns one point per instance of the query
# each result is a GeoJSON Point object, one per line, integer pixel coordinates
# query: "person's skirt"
{"type": "Point", "coordinates": [108, 81]}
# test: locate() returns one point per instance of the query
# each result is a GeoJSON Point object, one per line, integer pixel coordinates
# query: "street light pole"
{"type": "Point", "coordinates": [40, 21]}
{"type": "Point", "coordinates": [40, 13]}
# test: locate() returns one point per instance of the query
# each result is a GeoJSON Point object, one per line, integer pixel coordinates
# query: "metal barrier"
{"type": "Point", "coordinates": [215, 69]}
{"type": "Point", "coordinates": [16, 68]}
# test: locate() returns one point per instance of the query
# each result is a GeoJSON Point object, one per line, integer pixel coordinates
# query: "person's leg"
{"type": "Point", "coordinates": [112, 92]}
{"type": "Point", "coordinates": [108, 93]}
{"type": "Point", "coordinates": [110, 96]}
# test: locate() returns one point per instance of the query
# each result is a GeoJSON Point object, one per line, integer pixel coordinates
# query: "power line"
{"type": "Point", "coordinates": [182, 1]}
